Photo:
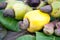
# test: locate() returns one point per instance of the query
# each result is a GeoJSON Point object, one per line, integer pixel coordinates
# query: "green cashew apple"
{"type": "Point", "coordinates": [55, 9]}
{"type": "Point", "coordinates": [18, 10]}
{"type": "Point", "coordinates": [41, 4]}
{"type": "Point", "coordinates": [11, 3]}
{"type": "Point", "coordinates": [50, 1]}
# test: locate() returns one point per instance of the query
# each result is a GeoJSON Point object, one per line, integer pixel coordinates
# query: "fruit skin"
{"type": "Point", "coordinates": [8, 13]}
{"type": "Point", "coordinates": [3, 5]}
{"type": "Point", "coordinates": [20, 10]}
{"type": "Point", "coordinates": [57, 30]}
{"type": "Point", "coordinates": [46, 9]}
{"type": "Point", "coordinates": [11, 3]}
{"type": "Point", "coordinates": [55, 9]}
{"type": "Point", "coordinates": [41, 4]}
{"type": "Point", "coordinates": [49, 1]}
{"type": "Point", "coordinates": [37, 20]}
{"type": "Point", "coordinates": [49, 28]}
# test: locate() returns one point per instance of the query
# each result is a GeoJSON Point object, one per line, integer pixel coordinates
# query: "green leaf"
{"type": "Point", "coordinates": [2, 0]}
{"type": "Point", "coordinates": [26, 37]}
{"type": "Point", "coordinates": [9, 23]}
{"type": "Point", "coordinates": [52, 18]}
{"type": "Point", "coordinates": [57, 38]}
{"type": "Point", "coordinates": [42, 36]}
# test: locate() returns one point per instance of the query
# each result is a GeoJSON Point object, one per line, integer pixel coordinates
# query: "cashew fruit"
{"type": "Point", "coordinates": [55, 9]}
{"type": "Point", "coordinates": [41, 4]}
{"type": "Point", "coordinates": [57, 30]}
{"type": "Point", "coordinates": [49, 1]}
{"type": "Point", "coordinates": [11, 3]}
{"type": "Point", "coordinates": [37, 20]}
{"type": "Point", "coordinates": [20, 10]}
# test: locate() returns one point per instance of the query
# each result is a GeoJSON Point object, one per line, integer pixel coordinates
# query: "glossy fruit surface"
{"type": "Point", "coordinates": [37, 20]}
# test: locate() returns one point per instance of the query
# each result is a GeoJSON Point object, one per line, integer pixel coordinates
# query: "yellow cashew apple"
{"type": "Point", "coordinates": [37, 20]}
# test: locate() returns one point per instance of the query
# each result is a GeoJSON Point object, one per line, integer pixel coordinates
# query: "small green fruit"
{"type": "Point", "coordinates": [17, 10]}
{"type": "Point", "coordinates": [10, 4]}
{"type": "Point", "coordinates": [55, 9]}
{"type": "Point", "coordinates": [20, 10]}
